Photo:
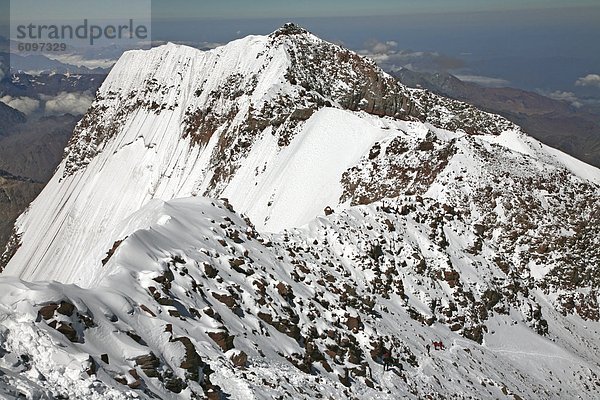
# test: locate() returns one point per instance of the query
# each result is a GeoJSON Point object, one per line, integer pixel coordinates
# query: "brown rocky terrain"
{"type": "Point", "coordinates": [36, 148]}
{"type": "Point", "coordinates": [9, 119]}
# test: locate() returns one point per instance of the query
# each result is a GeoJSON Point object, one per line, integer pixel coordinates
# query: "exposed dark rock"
{"type": "Point", "coordinates": [112, 250]}
{"type": "Point", "coordinates": [228, 300]}
{"type": "Point", "coordinates": [174, 384]}
{"type": "Point", "coordinates": [210, 271]}
{"type": "Point", "coordinates": [192, 361]}
{"type": "Point", "coordinates": [66, 308]}
{"type": "Point", "coordinates": [223, 339]}
{"type": "Point", "coordinates": [145, 308]}
{"type": "Point", "coordinates": [149, 364]}
{"type": "Point", "coordinates": [47, 312]}
{"type": "Point", "coordinates": [137, 338]}
{"type": "Point", "coordinates": [137, 383]}
{"type": "Point", "coordinates": [68, 331]}
{"type": "Point", "coordinates": [239, 359]}
{"type": "Point", "coordinates": [354, 323]}
{"type": "Point", "coordinates": [475, 333]}
{"type": "Point", "coordinates": [91, 370]}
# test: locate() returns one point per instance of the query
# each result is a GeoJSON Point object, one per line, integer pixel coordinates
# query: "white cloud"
{"type": "Point", "coordinates": [62, 103]}
{"type": "Point", "coordinates": [484, 80]}
{"type": "Point", "coordinates": [589, 80]}
{"type": "Point", "coordinates": [26, 105]}
{"type": "Point", "coordinates": [382, 48]}
{"type": "Point", "coordinates": [67, 103]}
{"type": "Point", "coordinates": [568, 97]}
{"type": "Point", "coordinates": [79, 61]}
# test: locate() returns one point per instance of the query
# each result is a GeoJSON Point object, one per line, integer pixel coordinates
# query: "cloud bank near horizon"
{"type": "Point", "coordinates": [592, 80]}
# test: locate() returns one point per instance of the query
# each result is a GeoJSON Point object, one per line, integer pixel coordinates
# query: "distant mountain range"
{"type": "Point", "coordinates": [42, 64]}
{"type": "Point", "coordinates": [35, 63]}
{"type": "Point", "coordinates": [34, 86]}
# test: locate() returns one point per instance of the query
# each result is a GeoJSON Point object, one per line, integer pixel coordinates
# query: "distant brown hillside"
{"type": "Point", "coordinates": [553, 122]}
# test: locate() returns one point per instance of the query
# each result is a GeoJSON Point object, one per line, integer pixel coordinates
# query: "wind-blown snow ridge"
{"type": "Point", "coordinates": [197, 303]}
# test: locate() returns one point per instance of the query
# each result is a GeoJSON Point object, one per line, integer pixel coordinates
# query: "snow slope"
{"type": "Point", "coordinates": [305, 176]}
{"type": "Point", "coordinates": [303, 306]}
{"type": "Point", "coordinates": [518, 142]}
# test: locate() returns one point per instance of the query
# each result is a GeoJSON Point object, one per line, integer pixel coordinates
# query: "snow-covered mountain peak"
{"type": "Point", "coordinates": [362, 218]}
{"type": "Point", "coordinates": [258, 81]}
{"type": "Point", "coordinates": [283, 125]}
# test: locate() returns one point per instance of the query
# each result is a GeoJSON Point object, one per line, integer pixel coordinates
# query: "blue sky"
{"type": "Point", "coordinates": [542, 45]}
{"type": "Point", "coordinates": [238, 9]}
{"type": "Point", "coordinates": [241, 9]}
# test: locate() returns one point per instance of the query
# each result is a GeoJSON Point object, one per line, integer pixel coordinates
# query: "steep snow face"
{"type": "Point", "coordinates": [194, 302]}
{"type": "Point", "coordinates": [293, 187]}
{"type": "Point", "coordinates": [277, 187]}
{"type": "Point", "coordinates": [146, 158]}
